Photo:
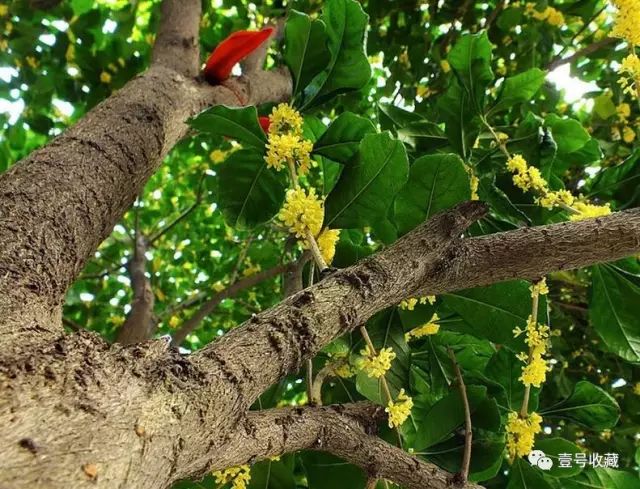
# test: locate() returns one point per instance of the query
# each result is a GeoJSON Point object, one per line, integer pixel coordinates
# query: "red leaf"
{"type": "Point", "coordinates": [264, 123]}
{"type": "Point", "coordinates": [233, 49]}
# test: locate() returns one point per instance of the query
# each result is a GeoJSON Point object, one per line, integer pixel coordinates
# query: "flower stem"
{"type": "Point", "coordinates": [524, 410]}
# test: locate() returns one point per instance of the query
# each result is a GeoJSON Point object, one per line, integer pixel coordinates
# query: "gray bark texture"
{"type": "Point", "coordinates": [78, 412]}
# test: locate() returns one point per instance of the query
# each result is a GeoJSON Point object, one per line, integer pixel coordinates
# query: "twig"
{"type": "Point", "coordinates": [468, 430]}
{"type": "Point", "coordinates": [591, 48]}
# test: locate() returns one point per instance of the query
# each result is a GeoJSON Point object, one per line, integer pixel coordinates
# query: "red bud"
{"type": "Point", "coordinates": [231, 50]}
{"type": "Point", "coordinates": [264, 123]}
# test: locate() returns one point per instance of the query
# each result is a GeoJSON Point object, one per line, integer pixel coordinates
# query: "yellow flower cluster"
{"type": "Point", "coordinates": [529, 178]}
{"type": "Point", "coordinates": [289, 149]}
{"type": "Point", "coordinates": [399, 410]}
{"type": "Point", "coordinates": [327, 243]}
{"type": "Point", "coordinates": [286, 144]}
{"type": "Point", "coordinates": [537, 338]}
{"type": "Point", "coordinates": [410, 304]}
{"type": "Point", "coordinates": [105, 77]}
{"type": "Point", "coordinates": [587, 211]}
{"type": "Point", "coordinates": [521, 434]}
{"type": "Point", "coordinates": [341, 366]}
{"type": "Point", "coordinates": [540, 287]}
{"type": "Point", "coordinates": [376, 366]}
{"type": "Point", "coordinates": [218, 156]}
{"type": "Point", "coordinates": [430, 328]}
{"type": "Point", "coordinates": [238, 476]}
{"type": "Point", "coordinates": [250, 268]}
{"type": "Point", "coordinates": [4, 10]}
{"type": "Point", "coordinates": [284, 119]}
{"type": "Point", "coordinates": [551, 15]}
{"type": "Point", "coordinates": [630, 75]}
{"type": "Point", "coordinates": [302, 212]}
{"type": "Point", "coordinates": [627, 21]}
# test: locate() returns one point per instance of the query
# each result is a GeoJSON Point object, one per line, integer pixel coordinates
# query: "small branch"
{"type": "Point", "coordinates": [255, 61]}
{"type": "Point", "coordinates": [292, 278]}
{"type": "Point", "coordinates": [468, 431]}
{"type": "Point", "coordinates": [591, 48]}
{"type": "Point", "coordinates": [207, 308]}
{"type": "Point", "coordinates": [140, 323]}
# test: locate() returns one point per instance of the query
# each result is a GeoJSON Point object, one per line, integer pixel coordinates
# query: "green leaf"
{"type": "Point", "coordinates": [518, 89]}
{"type": "Point", "coordinates": [493, 312]}
{"type": "Point", "coordinates": [552, 448]}
{"type": "Point", "coordinates": [240, 124]}
{"type": "Point", "coordinates": [614, 311]}
{"type": "Point", "coordinates": [602, 478]}
{"type": "Point", "coordinates": [461, 123]}
{"type": "Point", "coordinates": [368, 184]}
{"type": "Point", "coordinates": [587, 405]}
{"type": "Point", "coordinates": [81, 6]}
{"type": "Point", "coordinates": [325, 471]}
{"type": "Point", "coordinates": [270, 474]}
{"type": "Point", "coordinates": [445, 416]}
{"type": "Point", "coordinates": [436, 182]}
{"type": "Point", "coordinates": [487, 456]}
{"type": "Point", "coordinates": [305, 50]}
{"type": "Point", "coordinates": [604, 106]}
{"type": "Point", "coordinates": [248, 192]}
{"type": "Point", "coordinates": [470, 58]}
{"type": "Point", "coordinates": [568, 134]}
{"type": "Point", "coordinates": [505, 369]}
{"type": "Point", "coordinates": [341, 140]}
{"type": "Point", "coordinates": [348, 67]}
{"type": "Point", "coordinates": [523, 476]}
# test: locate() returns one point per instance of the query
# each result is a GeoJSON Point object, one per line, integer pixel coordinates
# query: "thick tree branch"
{"type": "Point", "coordinates": [176, 44]}
{"type": "Point", "coordinates": [60, 202]}
{"type": "Point", "coordinates": [347, 431]}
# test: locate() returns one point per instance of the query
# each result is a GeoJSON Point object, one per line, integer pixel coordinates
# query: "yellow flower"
{"type": "Point", "coordinates": [409, 304]}
{"type": "Point", "coordinates": [588, 211]}
{"type": "Point", "coordinates": [174, 321]}
{"type": "Point", "coordinates": [517, 164]}
{"type": "Point", "coordinates": [344, 370]}
{"type": "Point", "coordinates": [218, 286]}
{"type": "Point", "coordinates": [554, 17]}
{"type": "Point", "coordinates": [627, 21]}
{"type": "Point", "coordinates": [521, 434]}
{"type": "Point", "coordinates": [446, 67]}
{"type": "Point", "coordinates": [4, 10]}
{"type": "Point", "coordinates": [624, 111]}
{"type": "Point", "coordinates": [288, 148]}
{"type": "Point", "coordinates": [399, 410]}
{"type": "Point", "coordinates": [284, 119]}
{"type": "Point", "coordinates": [636, 389]}
{"type": "Point", "coordinates": [555, 198]}
{"type": "Point", "coordinates": [31, 61]}
{"type": "Point", "coordinates": [540, 287]}
{"type": "Point", "coordinates": [628, 134]}
{"type": "Point", "coordinates": [430, 328]}
{"type": "Point", "coordinates": [535, 372]}
{"type": "Point", "coordinates": [630, 75]}
{"type": "Point", "coordinates": [4, 44]}
{"type": "Point", "coordinates": [8, 26]}
{"type": "Point", "coordinates": [250, 268]}
{"type": "Point", "coordinates": [403, 59]}
{"type": "Point", "coordinates": [217, 156]}
{"type": "Point", "coordinates": [302, 212]}
{"type": "Point", "coordinates": [105, 77]}
{"type": "Point", "coordinates": [376, 366]}
{"type": "Point", "coordinates": [327, 243]}
{"type": "Point", "coordinates": [238, 476]}
{"type": "Point", "coordinates": [423, 91]}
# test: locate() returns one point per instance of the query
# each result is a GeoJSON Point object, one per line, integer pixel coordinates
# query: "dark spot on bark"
{"type": "Point", "coordinates": [49, 373]}
{"type": "Point", "coordinates": [348, 318]}
{"type": "Point", "coordinates": [304, 298]}
{"type": "Point", "coordinates": [29, 444]}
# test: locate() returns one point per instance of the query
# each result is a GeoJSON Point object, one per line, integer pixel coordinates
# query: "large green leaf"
{"type": "Point", "coordinates": [305, 49]}
{"type": "Point", "coordinates": [518, 89]}
{"type": "Point", "coordinates": [447, 414]}
{"type": "Point", "coordinates": [248, 192]}
{"type": "Point", "coordinates": [461, 123]}
{"type": "Point", "coordinates": [505, 369]}
{"type": "Point", "coordinates": [568, 134]}
{"type": "Point", "coordinates": [470, 58]}
{"type": "Point", "coordinates": [602, 478]}
{"type": "Point", "coordinates": [270, 474]}
{"type": "Point", "coordinates": [348, 67]}
{"type": "Point", "coordinates": [552, 448]}
{"type": "Point", "coordinates": [524, 476]}
{"type": "Point", "coordinates": [615, 312]}
{"type": "Point", "coordinates": [325, 471]}
{"type": "Point", "coordinates": [368, 184]}
{"type": "Point", "coordinates": [340, 142]}
{"type": "Point", "coordinates": [487, 455]}
{"type": "Point", "coordinates": [436, 182]}
{"type": "Point", "coordinates": [587, 405]}
{"type": "Point", "coordinates": [493, 312]}
{"type": "Point", "coordinates": [240, 124]}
